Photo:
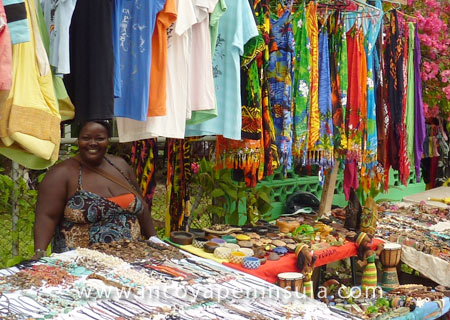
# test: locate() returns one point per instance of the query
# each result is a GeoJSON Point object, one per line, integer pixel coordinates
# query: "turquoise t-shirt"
{"type": "Point", "coordinates": [236, 27]}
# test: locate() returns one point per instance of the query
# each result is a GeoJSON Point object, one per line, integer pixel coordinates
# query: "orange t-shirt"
{"type": "Point", "coordinates": [158, 74]}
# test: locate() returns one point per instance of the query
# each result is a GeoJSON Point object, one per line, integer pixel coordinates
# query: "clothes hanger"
{"type": "Point", "coordinates": [407, 15]}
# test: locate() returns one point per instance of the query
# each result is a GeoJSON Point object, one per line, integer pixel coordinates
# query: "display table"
{"type": "Point", "coordinates": [437, 193]}
{"type": "Point", "coordinates": [431, 267]}
{"type": "Point", "coordinates": [211, 291]}
{"type": "Point", "coordinates": [287, 263]}
{"type": "Point", "coordinates": [421, 231]}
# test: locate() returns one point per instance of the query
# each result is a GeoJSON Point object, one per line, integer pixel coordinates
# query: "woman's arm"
{"type": "Point", "coordinates": [50, 205]}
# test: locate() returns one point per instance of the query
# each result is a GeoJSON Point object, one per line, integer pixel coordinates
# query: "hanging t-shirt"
{"type": "Point", "coordinates": [178, 102]}
{"type": "Point", "coordinates": [138, 20]}
{"type": "Point", "coordinates": [202, 82]}
{"type": "Point", "coordinates": [214, 18]}
{"type": "Point", "coordinates": [158, 94]}
{"type": "Point", "coordinates": [116, 20]}
{"type": "Point", "coordinates": [17, 21]}
{"type": "Point", "coordinates": [90, 83]}
{"type": "Point", "coordinates": [58, 14]}
{"type": "Point", "coordinates": [237, 26]}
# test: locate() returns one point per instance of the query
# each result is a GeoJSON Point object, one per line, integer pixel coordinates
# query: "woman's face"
{"type": "Point", "coordinates": [366, 243]}
{"type": "Point", "coordinates": [92, 143]}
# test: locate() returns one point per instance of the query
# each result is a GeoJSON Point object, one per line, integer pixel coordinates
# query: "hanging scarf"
{"type": "Point", "coordinates": [314, 117]}
{"type": "Point", "coordinates": [301, 86]}
{"type": "Point", "coordinates": [279, 72]}
{"type": "Point", "coordinates": [338, 74]}
{"type": "Point", "coordinates": [245, 161]}
{"type": "Point", "coordinates": [178, 174]}
{"type": "Point", "coordinates": [323, 152]}
{"type": "Point", "coordinates": [143, 158]}
{"type": "Point", "coordinates": [251, 90]}
{"type": "Point", "coordinates": [354, 94]}
{"type": "Point", "coordinates": [394, 83]}
{"type": "Point", "coordinates": [353, 115]}
{"type": "Point", "coordinates": [419, 123]}
{"type": "Point", "coordinates": [373, 29]}
{"type": "Point", "coordinates": [269, 150]}
{"type": "Point", "coordinates": [404, 159]}
{"type": "Point", "coordinates": [410, 97]}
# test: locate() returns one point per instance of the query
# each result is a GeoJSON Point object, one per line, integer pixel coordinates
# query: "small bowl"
{"type": "Point", "coordinates": [181, 237]}
{"type": "Point", "coordinates": [219, 241]}
{"type": "Point", "coordinates": [261, 230]}
{"type": "Point", "coordinates": [247, 228]}
{"type": "Point", "coordinates": [237, 257]}
{"type": "Point", "coordinates": [242, 237]}
{"type": "Point", "coordinates": [222, 252]}
{"type": "Point", "coordinates": [251, 263]}
{"type": "Point", "coordinates": [245, 244]}
{"type": "Point", "coordinates": [248, 252]}
{"type": "Point", "coordinates": [198, 233]}
{"type": "Point", "coordinates": [281, 251]}
{"type": "Point", "coordinates": [232, 246]}
{"type": "Point", "coordinates": [199, 242]}
{"type": "Point", "coordinates": [210, 246]}
{"type": "Point", "coordinates": [273, 228]}
{"type": "Point", "coordinates": [229, 239]}
{"type": "Point", "coordinates": [262, 260]}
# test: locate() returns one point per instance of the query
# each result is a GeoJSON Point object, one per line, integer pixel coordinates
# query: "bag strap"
{"type": "Point", "coordinates": [108, 176]}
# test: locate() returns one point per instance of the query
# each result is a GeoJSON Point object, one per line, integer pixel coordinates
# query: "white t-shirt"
{"type": "Point", "coordinates": [58, 15]}
{"type": "Point", "coordinates": [172, 125]}
{"type": "Point", "coordinates": [202, 81]}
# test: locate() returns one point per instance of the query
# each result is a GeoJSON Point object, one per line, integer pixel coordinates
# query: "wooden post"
{"type": "Point", "coordinates": [328, 190]}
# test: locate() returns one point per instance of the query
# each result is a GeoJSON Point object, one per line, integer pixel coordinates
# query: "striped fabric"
{"type": "Point", "coordinates": [17, 21]}
{"type": "Point", "coordinates": [308, 289]}
{"type": "Point", "coordinates": [369, 278]}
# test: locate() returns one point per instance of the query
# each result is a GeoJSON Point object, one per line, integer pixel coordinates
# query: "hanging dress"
{"type": "Point", "coordinates": [279, 72]}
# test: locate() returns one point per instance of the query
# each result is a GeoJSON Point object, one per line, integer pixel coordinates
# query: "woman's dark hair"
{"type": "Point", "coordinates": [105, 123]}
{"type": "Point", "coordinates": [301, 261]}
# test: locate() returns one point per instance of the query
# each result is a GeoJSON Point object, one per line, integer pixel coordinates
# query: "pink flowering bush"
{"type": "Point", "coordinates": [433, 17]}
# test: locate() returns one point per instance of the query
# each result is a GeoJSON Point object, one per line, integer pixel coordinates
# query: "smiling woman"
{"type": "Point", "coordinates": [92, 197]}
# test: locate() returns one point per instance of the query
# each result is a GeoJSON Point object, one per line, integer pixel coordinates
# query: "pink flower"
{"type": "Point", "coordinates": [447, 91]}
{"type": "Point", "coordinates": [194, 167]}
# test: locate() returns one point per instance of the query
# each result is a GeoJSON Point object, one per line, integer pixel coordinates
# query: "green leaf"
{"type": "Point", "coordinates": [217, 193]}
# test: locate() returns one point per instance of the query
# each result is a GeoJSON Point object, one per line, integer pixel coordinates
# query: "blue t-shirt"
{"type": "Point", "coordinates": [236, 27]}
{"type": "Point", "coordinates": [136, 22]}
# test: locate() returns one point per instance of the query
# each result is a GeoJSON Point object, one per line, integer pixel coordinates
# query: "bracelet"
{"type": "Point", "coordinates": [39, 253]}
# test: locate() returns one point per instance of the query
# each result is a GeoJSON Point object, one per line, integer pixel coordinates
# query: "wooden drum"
{"type": "Point", "coordinates": [390, 256]}
{"type": "Point", "coordinates": [292, 281]}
